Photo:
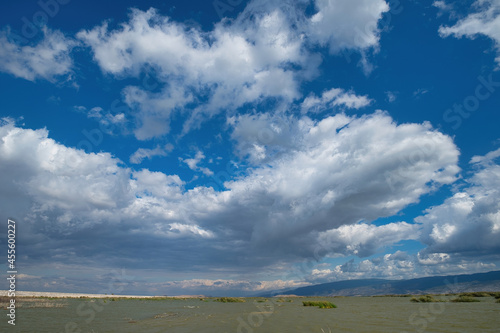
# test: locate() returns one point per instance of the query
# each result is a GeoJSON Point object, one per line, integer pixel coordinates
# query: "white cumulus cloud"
{"type": "Point", "coordinates": [347, 24]}
{"type": "Point", "coordinates": [485, 20]}
{"type": "Point", "coordinates": [468, 223]}
{"type": "Point", "coordinates": [49, 59]}
{"type": "Point", "coordinates": [192, 163]}
{"type": "Point", "coordinates": [332, 98]}
{"type": "Point", "coordinates": [263, 54]}
{"type": "Point", "coordinates": [342, 170]}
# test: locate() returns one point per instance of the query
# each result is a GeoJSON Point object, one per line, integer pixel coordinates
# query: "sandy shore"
{"type": "Point", "coordinates": [78, 295]}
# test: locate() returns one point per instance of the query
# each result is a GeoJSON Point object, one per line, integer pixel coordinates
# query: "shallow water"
{"type": "Point", "coordinates": [353, 314]}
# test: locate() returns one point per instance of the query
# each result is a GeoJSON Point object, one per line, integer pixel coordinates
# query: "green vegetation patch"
{"type": "Point", "coordinates": [321, 305]}
{"type": "Point", "coordinates": [229, 300]}
{"type": "Point", "coordinates": [281, 300]}
{"type": "Point", "coordinates": [425, 299]}
{"type": "Point", "coordinates": [463, 298]}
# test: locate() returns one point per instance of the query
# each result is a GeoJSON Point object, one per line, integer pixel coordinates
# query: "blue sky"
{"type": "Point", "coordinates": [234, 147]}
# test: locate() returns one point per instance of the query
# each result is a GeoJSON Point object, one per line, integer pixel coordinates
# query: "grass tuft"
{"type": "Point", "coordinates": [425, 299]}
{"type": "Point", "coordinates": [321, 305]}
{"type": "Point", "coordinates": [281, 300]}
{"type": "Point", "coordinates": [229, 300]}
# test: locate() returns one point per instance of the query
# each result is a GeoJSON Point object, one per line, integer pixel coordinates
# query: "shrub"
{"type": "Point", "coordinates": [425, 299]}
{"type": "Point", "coordinates": [321, 305]}
{"type": "Point", "coordinates": [229, 300]}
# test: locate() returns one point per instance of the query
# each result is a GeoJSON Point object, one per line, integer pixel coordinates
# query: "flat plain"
{"type": "Point", "coordinates": [287, 314]}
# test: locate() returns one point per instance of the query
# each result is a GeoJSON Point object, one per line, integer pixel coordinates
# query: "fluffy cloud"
{"type": "Point", "coordinates": [230, 66]}
{"type": "Point", "coordinates": [58, 179]}
{"type": "Point", "coordinates": [192, 163]}
{"type": "Point", "coordinates": [156, 184]}
{"type": "Point", "coordinates": [264, 54]}
{"type": "Point", "coordinates": [324, 183]}
{"type": "Point", "coordinates": [468, 223]}
{"type": "Point", "coordinates": [49, 59]}
{"type": "Point", "coordinates": [347, 24]}
{"type": "Point", "coordinates": [485, 21]}
{"type": "Point", "coordinates": [262, 137]}
{"type": "Point", "coordinates": [332, 98]}
{"type": "Point", "coordinates": [398, 265]}
{"type": "Point", "coordinates": [443, 7]}
{"type": "Point", "coordinates": [364, 240]}
{"type": "Point", "coordinates": [341, 171]}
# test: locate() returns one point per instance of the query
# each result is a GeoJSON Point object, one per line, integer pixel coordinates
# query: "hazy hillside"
{"type": "Point", "coordinates": [436, 284]}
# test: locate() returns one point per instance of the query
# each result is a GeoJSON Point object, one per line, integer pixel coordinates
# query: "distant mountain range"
{"type": "Point", "coordinates": [428, 285]}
